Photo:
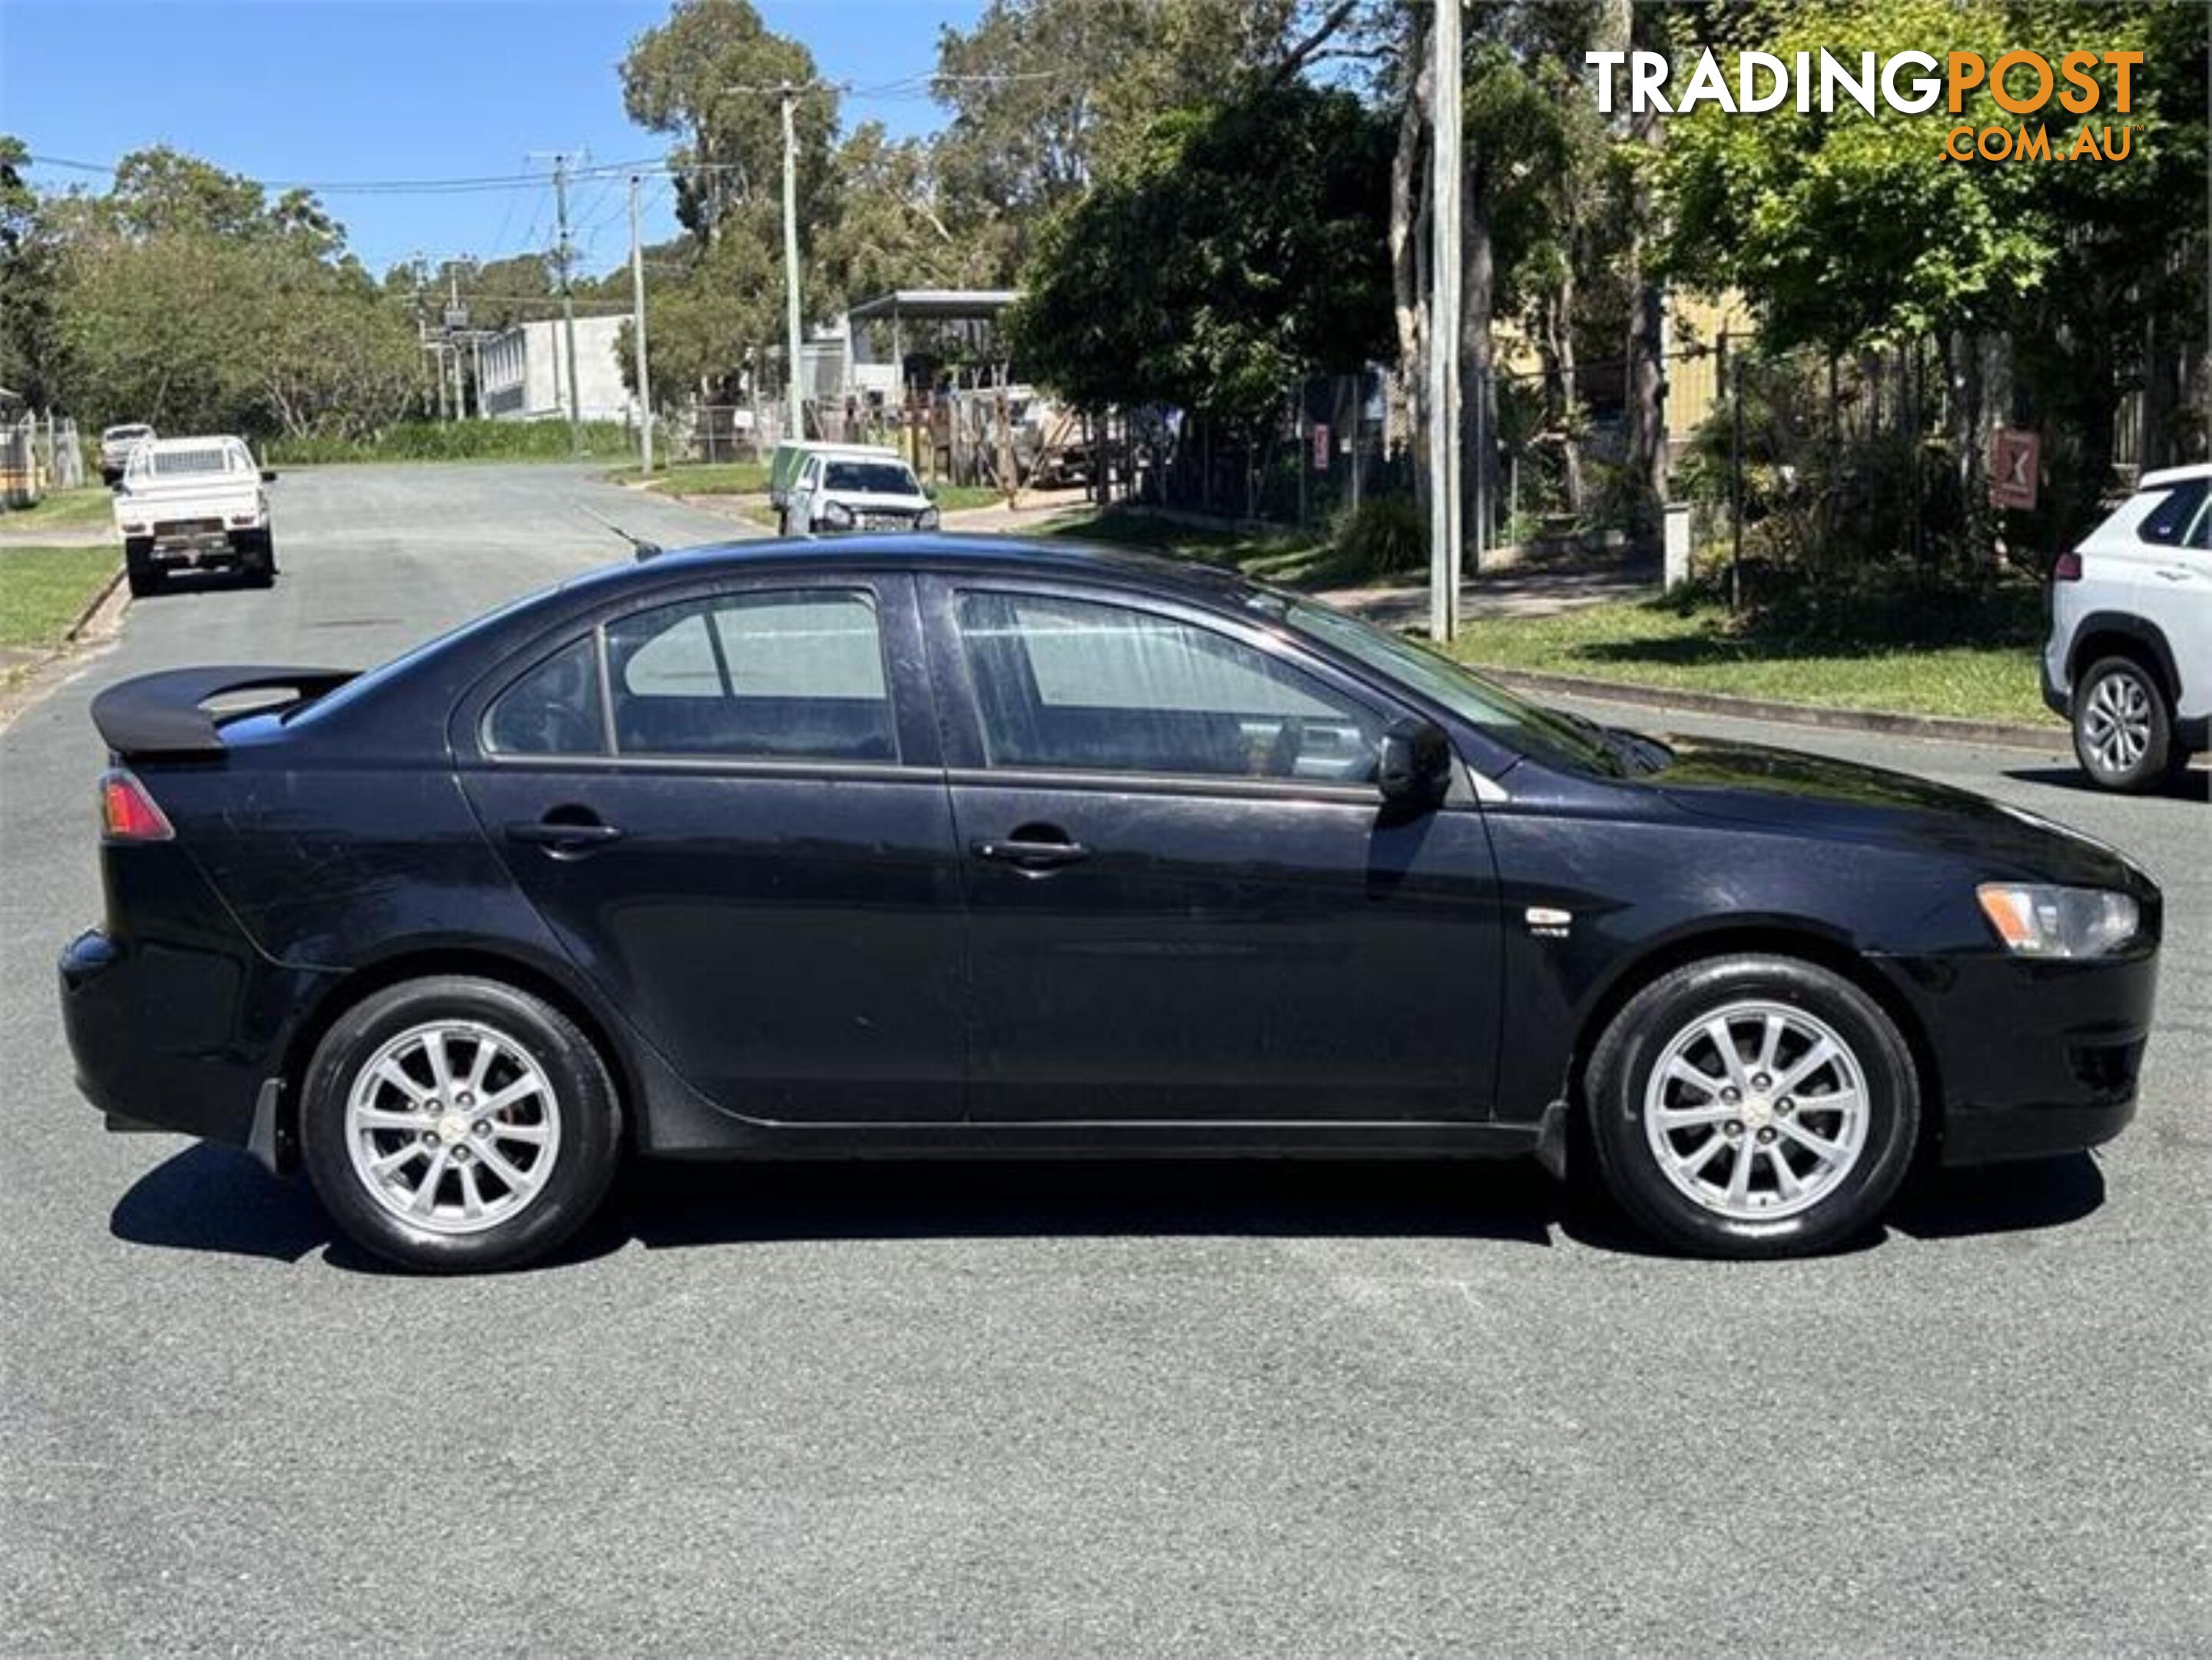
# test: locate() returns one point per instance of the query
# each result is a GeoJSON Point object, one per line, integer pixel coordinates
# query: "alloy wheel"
{"type": "Point", "coordinates": [453, 1127]}
{"type": "Point", "coordinates": [2116, 721]}
{"type": "Point", "coordinates": [1756, 1110]}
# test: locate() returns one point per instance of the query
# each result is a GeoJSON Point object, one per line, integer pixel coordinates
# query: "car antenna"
{"type": "Point", "coordinates": [645, 550]}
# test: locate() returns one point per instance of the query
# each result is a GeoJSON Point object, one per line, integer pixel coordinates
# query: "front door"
{"type": "Point", "coordinates": [739, 829]}
{"type": "Point", "coordinates": [1187, 898]}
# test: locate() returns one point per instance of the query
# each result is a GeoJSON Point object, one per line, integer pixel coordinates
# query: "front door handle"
{"type": "Point", "coordinates": [1030, 854]}
{"type": "Point", "coordinates": [562, 837]}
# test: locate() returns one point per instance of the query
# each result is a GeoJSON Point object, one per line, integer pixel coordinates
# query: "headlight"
{"type": "Point", "coordinates": [837, 516]}
{"type": "Point", "coordinates": [2050, 921]}
{"type": "Point", "coordinates": [928, 518]}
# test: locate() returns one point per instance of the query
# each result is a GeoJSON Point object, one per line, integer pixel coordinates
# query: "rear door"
{"type": "Point", "coordinates": [728, 804]}
{"type": "Point", "coordinates": [1188, 900]}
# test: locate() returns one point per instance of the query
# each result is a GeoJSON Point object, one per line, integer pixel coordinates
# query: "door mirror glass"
{"type": "Point", "coordinates": [1416, 762]}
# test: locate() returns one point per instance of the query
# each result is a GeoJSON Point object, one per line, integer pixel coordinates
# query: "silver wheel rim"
{"type": "Point", "coordinates": [2116, 721]}
{"type": "Point", "coordinates": [1756, 1111]}
{"type": "Point", "coordinates": [453, 1127]}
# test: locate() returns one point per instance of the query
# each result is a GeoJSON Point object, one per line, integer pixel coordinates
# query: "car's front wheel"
{"type": "Point", "coordinates": [1753, 1106]}
{"type": "Point", "coordinates": [456, 1123]}
{"type": "Point", "coordinates": [2122, 730]}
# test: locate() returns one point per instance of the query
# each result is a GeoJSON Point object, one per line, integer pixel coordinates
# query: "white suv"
{"type": "Point", "coordinates": [2129, 657]}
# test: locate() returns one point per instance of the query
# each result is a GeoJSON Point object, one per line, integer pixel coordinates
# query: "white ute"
{"type": "Point", "coordinates": [188, 502]}
{"type": "Point", "coordinates": [2129, 660]}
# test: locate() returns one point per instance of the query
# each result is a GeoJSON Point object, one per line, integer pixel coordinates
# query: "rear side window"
{"type": "Point", "coordinates": [2180, 520]}
{"type": "Point", "coordinates": [1086, 686]}
{"type": "Point", "coordinates": [554, 709]}
{"type": "Point", "coordinates": [794, 676]}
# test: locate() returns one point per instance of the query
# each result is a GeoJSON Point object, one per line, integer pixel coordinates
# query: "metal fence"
{"type": "Point", "coordinates": [38, 453]}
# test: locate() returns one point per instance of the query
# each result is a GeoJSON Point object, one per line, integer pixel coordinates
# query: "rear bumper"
{"type": "Point", "coordinates": [2033, 1058]}
{"type": "Point", "coordinates": [170, 1036]}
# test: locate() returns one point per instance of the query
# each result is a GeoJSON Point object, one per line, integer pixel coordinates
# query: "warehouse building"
{"type": "Point", "coordinates": [526, 372]}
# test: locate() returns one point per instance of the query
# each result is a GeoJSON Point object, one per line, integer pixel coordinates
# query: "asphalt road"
{"type": "Point", "coordinates": [1306, 1410]}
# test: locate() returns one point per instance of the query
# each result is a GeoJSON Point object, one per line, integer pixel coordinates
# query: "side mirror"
{"type": "Point", "coordinates": [930, 490]}
{"type": "Point", "coordinates": [268, 475]}
{"type": "Point", "coordinates": [1415, 769]}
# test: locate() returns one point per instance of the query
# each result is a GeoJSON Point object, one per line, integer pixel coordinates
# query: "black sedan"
{"type": "Point", "coordinates": [934, 845]}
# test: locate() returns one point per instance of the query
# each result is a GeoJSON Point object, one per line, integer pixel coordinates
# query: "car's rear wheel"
{"type": "Point", "coordinates": [2123, 729]}
{"type": "Point", "coordinates": [144, 575]}
{"type": "Point", "coordinates": [457, 1123]}
{"type": "Point", "coordinates": [1753, 1106]}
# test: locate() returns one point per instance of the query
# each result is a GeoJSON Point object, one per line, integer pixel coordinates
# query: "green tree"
{"type": "Point", "coordinates": [1240, 250]}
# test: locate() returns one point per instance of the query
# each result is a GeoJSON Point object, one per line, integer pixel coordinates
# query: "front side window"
{"type": "Point", "coordinates": [552, 709]}
{"type": "Point", "coordinates": [780, 676]}
{"type": "Point", "coordinates": [1080, 685]}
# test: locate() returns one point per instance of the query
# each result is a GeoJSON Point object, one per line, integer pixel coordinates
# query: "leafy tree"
{"type": "Point", "coordinates": [1240, 250]}
{"type": "Point", "coordinates": [705, 76]}
{"type": "Point", "coordinates": [1044, 95]}
{"type": "Point", "coordinates": [1850, 231]}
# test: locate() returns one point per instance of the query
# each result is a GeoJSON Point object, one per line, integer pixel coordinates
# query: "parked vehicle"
{"type": "Point", "coordinates": [116, 444]}
{"type": "Point", "coordinates": [904, 846]}
{"type": "Point", "coordinates": [847, 487]}
{"type": "Point", "coordinates": [784, 463]}
{"type": "Point", "coordinates": [2128, 660]}
{"type": "Point", "coordinates": [194, 502]}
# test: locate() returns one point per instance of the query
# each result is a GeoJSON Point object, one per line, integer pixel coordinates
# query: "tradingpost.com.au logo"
{"type": "Point", "coordinates": [2021, 83]}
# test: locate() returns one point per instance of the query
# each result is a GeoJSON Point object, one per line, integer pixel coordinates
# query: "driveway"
{"type": "Point", "coordinates": [1322, 1410]}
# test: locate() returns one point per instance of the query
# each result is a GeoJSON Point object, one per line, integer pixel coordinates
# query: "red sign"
{"type": "Point", "coordinates": [1320, 447]}
{"type": "Point", "coordinates": [2013, 456]}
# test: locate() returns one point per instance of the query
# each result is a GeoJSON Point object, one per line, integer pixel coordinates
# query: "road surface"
{"type": "Point", "coordinates": [1325, 1410]}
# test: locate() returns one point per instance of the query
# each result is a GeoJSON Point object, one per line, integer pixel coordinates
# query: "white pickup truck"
{"type": "Point", "coordinates": [194, 502]}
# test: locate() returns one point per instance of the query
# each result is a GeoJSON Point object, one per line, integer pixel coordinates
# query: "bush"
{"type": "Point", "coordinates": [454, 440]}
{"type": "Point", "coordinates": [1383, 536]}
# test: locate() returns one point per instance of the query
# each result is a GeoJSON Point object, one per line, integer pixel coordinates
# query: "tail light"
{"type": "Point", "coordinates": [2068, 567]}
{"type": "Point", "coordinates": [128, 813]}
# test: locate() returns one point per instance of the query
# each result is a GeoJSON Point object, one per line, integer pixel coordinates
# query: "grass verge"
{"type": "Point", "coordinates": [1916, 659]}
{"type": "Point", "coordinates": [453, 440]}
{"type": "Point", "coordinates": [42, 590]}
{"type": "Point", "coordinates": [76, 509]}
{"type": "Point", "coordinates": [700, 478]}
{"type": "Point", "coordinates": [1297, 559]}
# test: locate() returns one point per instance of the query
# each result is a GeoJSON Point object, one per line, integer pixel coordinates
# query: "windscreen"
{"type": "Point", "coordinates": [870, 478]}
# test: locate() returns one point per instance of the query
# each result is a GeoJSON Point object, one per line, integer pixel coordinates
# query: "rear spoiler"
{"type": "Point", "coordinates": [164, 714]}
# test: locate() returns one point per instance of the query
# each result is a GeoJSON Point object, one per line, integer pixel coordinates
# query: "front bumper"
{"type": "Point", "coordinates": [2032, 1058]}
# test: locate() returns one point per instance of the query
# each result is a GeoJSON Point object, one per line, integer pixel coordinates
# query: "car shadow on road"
{"type": "Point", "coordinates": [217, 1200]}
{"type": "Point", "coordinates": [2195, 785]}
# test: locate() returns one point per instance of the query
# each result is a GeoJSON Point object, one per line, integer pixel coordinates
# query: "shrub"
{"type": "Point", "coordinates": [454, 440]}
{"type": "Point", "coordinates": [1383, 536]}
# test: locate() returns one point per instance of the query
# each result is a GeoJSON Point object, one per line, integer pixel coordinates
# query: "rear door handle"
{"type": "Point", "coordinates": [544, 833]}
{"type": "Point", "coordinates": [1030, 856]}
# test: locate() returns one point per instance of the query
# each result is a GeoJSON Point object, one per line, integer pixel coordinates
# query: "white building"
{"type": "Point", "coordinates": [526, 372]}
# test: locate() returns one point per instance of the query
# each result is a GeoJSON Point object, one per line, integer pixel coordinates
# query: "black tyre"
{"type": "Point", "coordinates": [1791, 1138]}
{"type": "Point", "coordinates": [145, 577]}
{"type": "Point", "coordinates": [2123, 726]}
{"type": "Point", "coordinates": [458, 1124]}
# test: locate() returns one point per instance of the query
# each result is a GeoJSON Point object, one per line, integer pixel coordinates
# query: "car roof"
{"type": "Point", "coordinates": [210, 440]}
{"type": "Point", "coordinates": [1000, 555]}
{"type": "Point", "coordinates": [2166, 475]}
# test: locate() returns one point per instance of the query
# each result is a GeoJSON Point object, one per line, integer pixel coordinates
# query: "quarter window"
{"type": "Point", "coordinates": [785, 676]}
{"type": "Point", "coordinates": [554, 709]}
{"type": "Point", "coordinates": [2180, 520]}
{"type": "Point", "coordinates": [1068, 684]}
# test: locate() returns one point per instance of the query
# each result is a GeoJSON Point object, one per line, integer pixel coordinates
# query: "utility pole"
{"type": "Point", "coordinates": [637, 330]}
{"type": "Point", "coordinates": [788, 96]}
{"type": "Point", "coordinates": [453, 304]}
{"type": "Point", "coordinates": [564, 256]}
{"type": "Point", "coordinates": [1445, 519]}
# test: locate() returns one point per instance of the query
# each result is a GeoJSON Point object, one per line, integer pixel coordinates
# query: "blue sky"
{"type": "Point", "coordinates": [405, 89]}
